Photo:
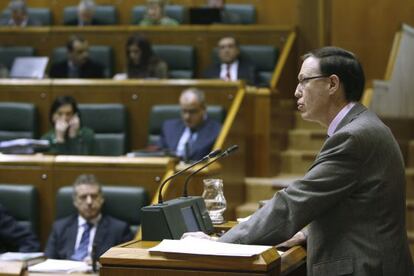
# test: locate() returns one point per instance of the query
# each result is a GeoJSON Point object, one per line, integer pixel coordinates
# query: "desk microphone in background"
{"type": "Point", "coordinates": [94, 257]}
{"type": "Point", "coordinates": [212, 154]}
{"type": "Point", "coordinates": [225, 153]}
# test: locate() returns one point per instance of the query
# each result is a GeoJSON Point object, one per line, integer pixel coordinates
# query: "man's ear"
{"type": "Point", "coordinates": [334, 83]}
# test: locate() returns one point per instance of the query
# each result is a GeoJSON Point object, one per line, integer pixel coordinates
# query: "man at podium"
{"type": "Point", "coordinates": [352, 199]}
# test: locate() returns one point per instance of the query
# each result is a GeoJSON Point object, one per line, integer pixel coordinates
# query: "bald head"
{"type": "Point", "coordinates": [193, 109]}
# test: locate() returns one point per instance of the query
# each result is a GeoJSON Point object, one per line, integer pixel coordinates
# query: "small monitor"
{"type": "Point", "coordinates": [29, 67]}
{"type": "Point", "coordinates": [171, 219]}
{"type": "Point", "coordinates": [205, 16]}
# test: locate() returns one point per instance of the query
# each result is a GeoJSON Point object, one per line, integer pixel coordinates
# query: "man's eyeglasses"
{"type": "Point", "coordinates": [303, 81]}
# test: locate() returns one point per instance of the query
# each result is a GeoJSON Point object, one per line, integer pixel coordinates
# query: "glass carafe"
{"type": "Point", "coordinates": [214, 198]}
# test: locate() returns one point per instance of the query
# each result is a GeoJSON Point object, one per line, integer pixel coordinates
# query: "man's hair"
{"type": "Point", "coordinates": [71, 41]}
{"type": "Point", "coordinates": [18, 5]}
{"type": "Point", "coordinates": [86, 179]}
{"type": "Point", "coordinates": [201, 98]}
{"type": "Point", "coordinates": [236, 42]}
{"type": "Point", "coordinates": [87, 5]}
{"type": "Point", "coordinates": [344, 64]}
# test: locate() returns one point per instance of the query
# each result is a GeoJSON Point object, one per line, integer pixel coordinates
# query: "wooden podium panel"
{"type": "Point", "coordinates": [133, 258]}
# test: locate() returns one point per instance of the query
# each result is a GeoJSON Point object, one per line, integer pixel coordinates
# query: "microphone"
{"type": "Point", "coordinates": [94, 258]}
{"type": "Point", "coordinates": [223, 154]}
{"type": "Point", "coordinates": [212, 154]}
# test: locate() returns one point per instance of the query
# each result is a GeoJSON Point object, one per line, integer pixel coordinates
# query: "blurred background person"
{"type": "Point", "coordinates": [19, 16]}
{"type": "Point", "coordinates": [78, 64]}
{"type": "Point", "coordinates": [68, 136]}
{"type": "Point", "coordinates": [154, 15]}
{"type": "Point", "coordinates": [192, 136]}
{"type": "Point", "coordinates": [226, 16]}
{"type": "Point", "coordinates": [86, 11]}
{"type": "Point", "coordinates": [15, 237]}
{"type": "Point", "coordinates": [231, 66]}
{"type": "Point", "coordinates": [73, 237]}
{"type": "Point", "coordinates": [142, 63]}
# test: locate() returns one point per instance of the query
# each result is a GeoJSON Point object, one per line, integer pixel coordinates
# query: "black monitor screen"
{"type": "Point", "coordinates": [190, 219]}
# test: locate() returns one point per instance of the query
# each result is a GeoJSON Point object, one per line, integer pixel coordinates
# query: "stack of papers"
{"type": "Point", "coordinates": [60, 266]}
{"type": "Point", "coordinates": [26, 258]}
{"type": "Point", "coordinates": [208, 247]}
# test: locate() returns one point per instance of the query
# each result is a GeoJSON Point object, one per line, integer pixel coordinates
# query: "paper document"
{"type": "Point", "coordinates": [60, 266]}
{"type": "Point", "coordinates": [18, 256]}
{"type": "Point", "coordinates": [191, 245]}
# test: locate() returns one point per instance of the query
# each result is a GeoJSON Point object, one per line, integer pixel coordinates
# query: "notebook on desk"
{"type": "Point", "coordinates": [29, 67]}
{"type": "Point", "coordinates": [204, 15]}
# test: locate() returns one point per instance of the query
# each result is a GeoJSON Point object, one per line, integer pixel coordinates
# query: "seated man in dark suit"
{"type": "Point", "coordinates": [15, 237]}
{"type": "Point", "coordinates": [232, 65]}
{"type": "Point", "coordinates": [78, 64]}
{"type": "Point", "coordinates": [192, 136]}
{"type": "Point", "coordinates": [19, 16]}
{"type": "Point", "coordinates": [74, 237]}
{"type": "Point", "coordinates": [86, 11]}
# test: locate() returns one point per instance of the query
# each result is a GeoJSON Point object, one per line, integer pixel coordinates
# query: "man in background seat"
{"type": "Point", "coordinates": [78, 64]}
{"type": "Point", "coordinates": [193, 136]}
{"type": "Point", "coordinates": [19, 16]}
{"type": "Point", "coordinates": [15, 237]}
{"type": "Point", "coordinates": [76, 237]}
{"type": "Point", "coordinates": [231, 66]}
{"type": "Point", "coordinates": [86, 11]}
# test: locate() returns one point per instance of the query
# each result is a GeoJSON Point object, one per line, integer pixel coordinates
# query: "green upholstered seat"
{"type": "Point", "coordinates": [180, 60]}
{"type": "Point", "coordinates": [177, 12]}
{"type": "Point", "coordinates": [43, 15]}
{"type": "Point", "coordinates": [104, 15]}
{"type": "Point", "coordinates": [98, 53]}
{"type": "Point", "coordinates": [121, 202]}
{"type": "Point", "coordinates": [110, 124]}
{"type": "Point", "coordinates": [161, 113]}
{"type": "Point", "coordinates": [246, 13]}
{"type": "Point", "coordinates": [17, 120]}
{"type": "Point", "coordinates": [265, 58]}
{"type": "Point", "coordinates": [9, 53]}
{"type": "Point", "coordinates": [22, 203]}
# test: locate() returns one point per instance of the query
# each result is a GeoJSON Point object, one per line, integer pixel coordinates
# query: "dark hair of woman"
{"type": "Point", "coordinates": [146, 60]}
{"type": "Point", "coordinates": [61, 101]}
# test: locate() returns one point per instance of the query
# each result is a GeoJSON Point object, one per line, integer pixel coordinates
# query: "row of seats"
{"type": "Point", "coordinates": [122, 202]}
{"type": "Point", "coordinates": [181, 59]}
{"type": "Point", "coordinates": [107, 14]}
{"type": "Point", "coordinates": [109, 122]}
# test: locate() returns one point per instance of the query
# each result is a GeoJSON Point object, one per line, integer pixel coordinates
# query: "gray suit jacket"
{"type": "Point", "coordinates": [353, 199]}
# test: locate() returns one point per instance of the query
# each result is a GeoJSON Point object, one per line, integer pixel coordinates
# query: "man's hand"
{"type": "Point", "coordinates": [197, 235]}
{"type": "Point", "coordinates": [298, 239]}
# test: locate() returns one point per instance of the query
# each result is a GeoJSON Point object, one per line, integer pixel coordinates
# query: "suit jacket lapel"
{"type": "Point", "coordinates": [72, 232]}
{"type": "Point", "coordinates": [101, 232]}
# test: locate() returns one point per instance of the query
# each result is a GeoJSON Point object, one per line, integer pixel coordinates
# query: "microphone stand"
{"type": "Point", "coordinates": [205, 158]}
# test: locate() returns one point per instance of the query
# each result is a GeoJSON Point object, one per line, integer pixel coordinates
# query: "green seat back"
{"type": "Point", "coordinates": [121, 202]}
{"type": "Point", "coordinates": [180, 59]}
{"type": "Point", "coordinates": [43, 15]}
{"type": "Point", "coordinates": [98, 53]}
{"type": "Point", "coordinates": [22, 203]}
{"type": "Point", "coordinates": [246, 13]}
{"type": "Point", "coordinates": [8, 54]}
{"type": "Point", "coordinates": [17, 120]}
{"type": "Point", "coordinates": [161, 113]}
{"type": "Point", "coordinates": [104, 14]}
{"type": "Point", "coordinates": [177, 12]}
{"type": "Point", "coordinates": [110, 124]}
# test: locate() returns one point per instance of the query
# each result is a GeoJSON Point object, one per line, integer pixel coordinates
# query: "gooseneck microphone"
{"type": "Point", "coordinates": [212, 154]}
{"type": "Point", "coordinates": [225, 153]}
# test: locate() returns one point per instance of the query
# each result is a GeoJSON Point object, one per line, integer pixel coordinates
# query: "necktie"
{"type": "Point", "coordinates": [82, 251]}
{"type": "Point", "coordinates": [228, 76]}
{"type": "Point", "coordinates": [188, 146]}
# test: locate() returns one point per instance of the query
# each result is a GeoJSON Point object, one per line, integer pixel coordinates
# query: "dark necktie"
{"type": "Point", "coordinates": [82, 251]}
{"type": "Point", "coordinates": [228, 76]}
{"type": "Point", "coordinates": [188, 147]}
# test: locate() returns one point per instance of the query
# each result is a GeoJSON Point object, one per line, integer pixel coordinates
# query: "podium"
{"type": "Point", "coordinates": [133, 259]}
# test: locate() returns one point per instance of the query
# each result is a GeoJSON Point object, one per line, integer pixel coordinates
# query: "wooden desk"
{"type": "Point", "coordinates": [133, 259]}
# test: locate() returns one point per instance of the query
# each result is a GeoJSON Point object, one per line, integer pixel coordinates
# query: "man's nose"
{"type": "Point", "coordinates": [298, 92]}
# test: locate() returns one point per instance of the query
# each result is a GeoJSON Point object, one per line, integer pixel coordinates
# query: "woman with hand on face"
{"type": "Point", "coordinates": [67, 135]}
{"type": "Point", "coordinates": [142, 63]}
